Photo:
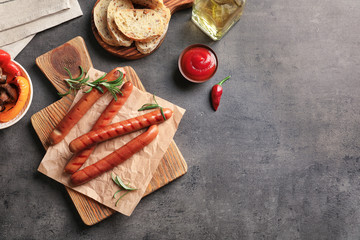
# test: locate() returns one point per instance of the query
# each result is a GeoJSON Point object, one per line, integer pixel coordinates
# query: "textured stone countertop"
{"type": "Point", "coordinates": [280, 159]}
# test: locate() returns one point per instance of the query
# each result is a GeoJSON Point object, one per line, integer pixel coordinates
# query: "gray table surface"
{"type": "Point", "coordinates": [280, 159]}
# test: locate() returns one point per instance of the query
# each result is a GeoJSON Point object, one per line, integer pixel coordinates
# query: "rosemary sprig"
{"type": "Point", "coordinates": [74, 83]}
{"type": "Point", "coordinates": [123, 187]}
{"type": "Point", "coordinates": [80, 82]}
{"type": "Point", "coordinates": [148, 106]}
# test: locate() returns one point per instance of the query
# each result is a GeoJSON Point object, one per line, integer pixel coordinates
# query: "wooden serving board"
{"type": "Point", "coordinates": [131, 52]}
{"type": "Point", "coordinates": [72, 55]}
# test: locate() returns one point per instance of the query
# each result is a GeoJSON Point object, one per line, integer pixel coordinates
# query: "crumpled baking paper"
{"type": "Point", "coordinates": [138, 170]}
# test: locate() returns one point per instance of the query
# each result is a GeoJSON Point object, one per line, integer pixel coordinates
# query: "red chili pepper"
{"type": "Point", "coordinates": [4, 58]}
{"type": "Point", "coordinates": [216, 93]}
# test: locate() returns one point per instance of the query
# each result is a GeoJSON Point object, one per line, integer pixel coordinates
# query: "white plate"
{"type": "Point", "coordinates": [27, 104]}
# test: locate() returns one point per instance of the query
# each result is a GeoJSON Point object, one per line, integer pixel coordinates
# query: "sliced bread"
{"type": "Point", "coordinates": [116, 34]}
{"type": "Point", "coordinates": [149, 46]}
{"type": "Point", "coordinates": [139, 24]}
{"type": "Point", "coordinates": [164, 12]}
{"type": "Point", "coordinates": [100, 20]}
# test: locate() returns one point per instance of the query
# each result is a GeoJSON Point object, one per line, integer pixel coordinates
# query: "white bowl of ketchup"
{"type": "Point", "coordinates": [198, 63]}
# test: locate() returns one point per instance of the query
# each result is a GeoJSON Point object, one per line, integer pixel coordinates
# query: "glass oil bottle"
{"type": "Point", "coordinates": [216, 17]}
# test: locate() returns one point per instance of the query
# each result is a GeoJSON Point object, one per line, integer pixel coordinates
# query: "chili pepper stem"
{"type": "Point", "coordinates": [224, 80]}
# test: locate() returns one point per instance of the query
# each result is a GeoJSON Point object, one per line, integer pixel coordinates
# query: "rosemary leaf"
{"type": "Point", "coordinates": [121, 198]}
{"type": "Point", "coordinates": [148, 106]}
{"type": "Point", "coordinates": [64, 94]}
{"type": "Point", "coordinates": [155, 99]}
{"type": "Point", "coordinates": [120, 183]}
{"type": "Point", "coordinates": [81, 74]}
{"type": "Point", "coordinates": [123, 185]}
{"type": "Point", "coordinates": [162, 113]}
{"type": "Point", "coordinates": [99, 88]}
{"type": "Point", "coordinates": [117, 192]}
{"type": "Point", "coordinates": [89, 90]}
{"type": "Point", "coordinates": [84, 80]}
{"type": "Point", "coordinates": [114, 178]}
{"type": "Point", "coordinates": [114, 95]}
{"type": "Point", "coordinates": [68, 72]}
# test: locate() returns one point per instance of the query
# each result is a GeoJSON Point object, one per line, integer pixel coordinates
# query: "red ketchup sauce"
{"type": "Point", "coordinates": [198, 63]}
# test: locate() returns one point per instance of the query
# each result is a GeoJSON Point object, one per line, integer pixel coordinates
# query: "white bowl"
{"type": "Point", "coordinates": [27, 104]}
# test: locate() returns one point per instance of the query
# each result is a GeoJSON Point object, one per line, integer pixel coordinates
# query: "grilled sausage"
{"type": "Point", "coordinates": [105, 118]}
{"type": "Point", "coordinates": [79, 109]}
{"type": "Point", "coordinates": [118, 129]}
{"type": "Point", "coordinates": [115, 158]}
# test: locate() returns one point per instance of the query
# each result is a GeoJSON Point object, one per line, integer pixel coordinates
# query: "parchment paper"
{"type": "Point", "coordinates": [138, 170]}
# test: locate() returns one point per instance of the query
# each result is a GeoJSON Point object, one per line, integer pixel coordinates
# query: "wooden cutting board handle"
{"type": "Point", "coordinates": [70, 55]}
{"type": "Point", "coordinates": [176, 5]}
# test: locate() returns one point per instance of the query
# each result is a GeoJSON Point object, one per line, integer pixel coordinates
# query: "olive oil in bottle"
{"type": "Point", "coordinates": [216, 17]}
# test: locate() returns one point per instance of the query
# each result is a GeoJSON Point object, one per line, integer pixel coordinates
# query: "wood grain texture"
{"type": "Point", "coordinates": [171, 166]}
{"type": "Point", "coordinates": [131, 52]}
{"type": "Point", "coordinates": [71, 55]}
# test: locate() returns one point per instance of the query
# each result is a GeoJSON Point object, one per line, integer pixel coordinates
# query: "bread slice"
{"type": "Point", "coordinates": [116, 34]}
{"type": "Point", "coordinates": [149, 46]}
{"type": "Point", "coordinates": [164, 12]}
{"type": "Point", "coordinates": [139, 24]}
{"type": "Point", "coordinates": [100, 20]}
